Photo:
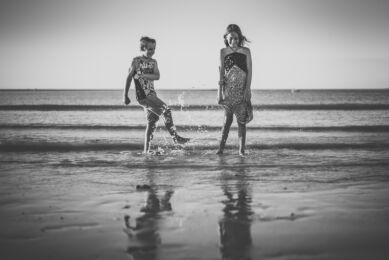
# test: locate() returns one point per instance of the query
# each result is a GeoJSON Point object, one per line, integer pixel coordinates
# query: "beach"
{"type": "Point", "coordinates": [75, 184]}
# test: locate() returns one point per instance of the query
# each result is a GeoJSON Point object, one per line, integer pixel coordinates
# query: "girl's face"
{"type": "Point", "coordinates": [233, 39]}
{"type": "Point", "coordinates": [149, 49]}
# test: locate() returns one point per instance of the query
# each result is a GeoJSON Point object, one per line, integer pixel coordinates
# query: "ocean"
{"type": "Point", "coordinates": [74, 179]}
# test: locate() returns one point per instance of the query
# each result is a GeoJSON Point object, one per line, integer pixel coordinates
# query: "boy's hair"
{"type": "Point", "coordinates": [144, 40]}
{"type": "Point", "coordinates": [235, 28]}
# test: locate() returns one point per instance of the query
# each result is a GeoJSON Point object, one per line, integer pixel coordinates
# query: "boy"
{"type": "Point", "coordinates": [144, 70]}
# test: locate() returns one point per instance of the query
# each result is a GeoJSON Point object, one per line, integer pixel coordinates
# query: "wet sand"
{"type": "Point", "coordinates": [228, 210]}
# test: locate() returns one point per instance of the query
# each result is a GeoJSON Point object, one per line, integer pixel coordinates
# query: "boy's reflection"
{"type": "Point", "coordinates": [144, 237]}
{"type": "Point", "coordinates": [235, 224]}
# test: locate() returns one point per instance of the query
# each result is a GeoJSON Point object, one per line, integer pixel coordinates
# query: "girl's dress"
{"type": "Point", "coordinates": [235, 74]}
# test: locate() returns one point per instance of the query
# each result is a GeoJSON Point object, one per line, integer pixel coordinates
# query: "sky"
{"type": "Point", "coordinates": [295, 44]}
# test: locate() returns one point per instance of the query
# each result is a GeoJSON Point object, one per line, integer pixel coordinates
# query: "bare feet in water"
{"type": "Point", "coordinates": [180, 140]}
{"type": "Point", "coordinates": [241, 153]}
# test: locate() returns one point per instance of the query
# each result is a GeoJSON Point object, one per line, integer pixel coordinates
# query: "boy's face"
{"type": "Point", "coordinates": [149, 49]}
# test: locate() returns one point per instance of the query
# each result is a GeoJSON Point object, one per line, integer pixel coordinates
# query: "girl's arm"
{"type": "Point", "coordinates": [249, 76]}
{"type": "Point", "coordinates": [221, 78]}
{"type": "Point", "coordinates": [152, 76]}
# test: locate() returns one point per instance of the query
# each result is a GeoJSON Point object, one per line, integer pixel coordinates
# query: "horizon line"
{"type": "Point", "coordinates": [191, 89]}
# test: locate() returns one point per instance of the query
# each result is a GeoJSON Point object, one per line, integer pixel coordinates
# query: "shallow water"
{"type": "Point", "coordinates": [314, 184]}
{"type": "Point", "coordinates": [272, 204]}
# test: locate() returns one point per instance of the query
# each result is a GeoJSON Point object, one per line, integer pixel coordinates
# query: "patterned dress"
{"type": "Point", "coordinates": [235, 75]}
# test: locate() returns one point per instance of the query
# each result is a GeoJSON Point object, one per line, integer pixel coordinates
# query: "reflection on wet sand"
{"type": "Point", "coordinates": [235, 224]}
{"type": "Point", "coordinates": [144, 238]}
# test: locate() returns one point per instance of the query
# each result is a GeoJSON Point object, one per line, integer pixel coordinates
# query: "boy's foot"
{"type": "Point", "coordinates": [152, 153]}
{"type": "Point", "coordinates": [242, 153]}
{"type": "Point", "coordinates": [180, 140]}
{"type": "Point", "coordinates": [219, 152]}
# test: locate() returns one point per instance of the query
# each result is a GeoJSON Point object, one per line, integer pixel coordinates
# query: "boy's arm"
{"type": "Point", "coordinates": [152, 76]}
{"type": "Point", "coordinates": [221, 79]}
{"type": "Point", "coordinates": [249, 75]}
{"type": "Point", "coordinates": [131, 73]}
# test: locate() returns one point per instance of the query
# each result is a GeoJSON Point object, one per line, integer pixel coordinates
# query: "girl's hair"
{"type": "Point", "coordinates": [144, 40]}
{"type": "Point", "coordinates": [235, 28]}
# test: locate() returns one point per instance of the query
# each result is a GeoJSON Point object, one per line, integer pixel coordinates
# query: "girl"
{"type": "Point", "coordinates": [234, 92]}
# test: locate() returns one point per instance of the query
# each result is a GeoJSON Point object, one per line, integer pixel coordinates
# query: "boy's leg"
{"type": "Point", "coordinates": [228, 118]}
{"type": "Point", "coordinates": [168, 119]}
{"type": "Point", "coordinates": [242, 137]}
{"type": "Point", "coordinates": [152, 118]}
{"type": "Point", "coordinates": [163, 110]}
{"type": "Point", "coordinates": [149, 135]}
{"type": "Point", "coordinates": [156, 106]}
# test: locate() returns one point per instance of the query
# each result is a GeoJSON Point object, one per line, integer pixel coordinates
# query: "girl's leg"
{"type": "Point", "coordinates": [228, 118]}
{"type": "Point", "coordinates": [242, 138]}
{"type": "Point", "coordinates": [149, 135]}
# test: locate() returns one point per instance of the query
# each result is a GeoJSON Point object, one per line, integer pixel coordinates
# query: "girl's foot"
{"type": "Point", "coordinates": [180, 140]}
{"type": "Point", "coordinates": [242, 153]}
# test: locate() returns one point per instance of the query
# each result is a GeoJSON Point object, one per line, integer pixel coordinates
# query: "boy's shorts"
{"type": "Point", "coordinates": [154, 107]}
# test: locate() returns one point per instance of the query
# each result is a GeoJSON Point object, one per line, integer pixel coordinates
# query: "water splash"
{"type": "Point", "coordinates": [181, 100]}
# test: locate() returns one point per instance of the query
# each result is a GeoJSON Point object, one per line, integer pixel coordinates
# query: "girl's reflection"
{"type": "Point", "coordinates": [235, 224]}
